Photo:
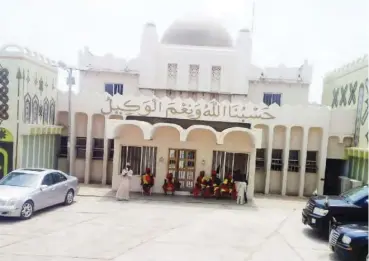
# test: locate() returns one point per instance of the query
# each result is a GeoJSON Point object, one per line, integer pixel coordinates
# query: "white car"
{"type": "Point", "coordinates": [24, 191]}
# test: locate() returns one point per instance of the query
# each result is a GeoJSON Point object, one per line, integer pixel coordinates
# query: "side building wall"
{"type": "Point", "coordinates": [347, 87]}
{"type": "Point", "coordinates": [29, 121]}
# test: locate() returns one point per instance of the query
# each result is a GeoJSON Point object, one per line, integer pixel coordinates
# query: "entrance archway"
{"type": "Point", "coordinates": [6, 152]}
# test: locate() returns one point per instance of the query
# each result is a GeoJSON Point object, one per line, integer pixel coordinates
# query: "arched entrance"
{"type": "Point", "coordinates": [6, 152]}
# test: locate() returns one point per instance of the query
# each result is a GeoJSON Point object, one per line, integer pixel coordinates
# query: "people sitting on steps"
{"type": "Point", "coordinates": [206, 185]}
{"type": "Point", "coordinates": [227, 188]}
{"type": "Point", "coordinates": [197, 190]}
{"type": "Point", "coordinates": [170, 184]}
{"type": "Point", "coordinates": [147, 181]}
{"type": "Point", "coordinates": [215, 184]}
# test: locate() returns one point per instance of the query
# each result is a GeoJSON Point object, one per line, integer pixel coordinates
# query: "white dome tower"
{"type": "Point", "coordinates": [148, 55]}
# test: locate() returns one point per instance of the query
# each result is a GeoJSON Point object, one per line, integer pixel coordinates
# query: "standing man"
{"type": "Point", "coordinates": [125, 183]}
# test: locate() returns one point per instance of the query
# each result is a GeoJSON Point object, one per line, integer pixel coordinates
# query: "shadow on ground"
{"type": "Point", "coordinates": [39, 213]}
{"type": "Point", "coordinates": [315, 235]}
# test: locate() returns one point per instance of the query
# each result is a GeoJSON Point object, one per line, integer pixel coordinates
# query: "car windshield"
{"type": "Point", "coordinates": [20, 179]}
{"type": "Point", "coordinates": [355, 194]}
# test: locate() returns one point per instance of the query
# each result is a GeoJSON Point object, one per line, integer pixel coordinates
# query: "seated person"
{"type": "Point", "coordinates": [147, 181]}
{"type": "Point", "coordinates": [169, 185]}
{"type": "Point", "coordinates": [198, 188]}
{"type": "Point", "coordinates": [227, 186]}
{"type": "Point", "coordinates": [206, 186]}
{"type": "Point", "coordinates": [215, 184]}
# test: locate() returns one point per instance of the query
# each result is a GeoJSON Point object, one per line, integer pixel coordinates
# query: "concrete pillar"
{"type": "Point", "coordinates": [251, 179]}
{"type": "Point", "coordinates": [105, 160]}
{"type": "Point", "coordinates": [322, 161]}
{"type": "Point", "coordinates": [269, 158]}
{"type": "Point", "coordinates": [45, 150]}
{"type": "Point", "coordinates": [39, 154]}
{"type": "Point", "coordinates": [88, 149]}
{"type": "Point", "coordinates": [116, 163]}
{"type": "Point", "coordinates": [33, 165]}
{"type": "Point", "coordinates": [286, 155]}
{"type": "Point", "coordinates": [362, 166]}
{"type": "Point", "coordinates": [50, 152]}
{"type": "Point", "coordinates": [20, 152]}
{"type": "Point", "coordinates": [303, 154]}
{"type": "Point", "coordinates": [72, 143]}
{"type": "Point", "coordinates": [28, 150]}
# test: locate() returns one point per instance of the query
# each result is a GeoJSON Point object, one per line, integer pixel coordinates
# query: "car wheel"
{"type": "Point", "coordinates": [69, 198]}
{"type": "Point", "coordinates": [27, 210]}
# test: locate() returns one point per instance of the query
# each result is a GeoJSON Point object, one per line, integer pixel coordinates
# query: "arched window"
{"type": "Point", "coordinates": [35, 109]}
{"type": "Point", "coordinates": [52, 112]}
{"type": "Point", "coordinates": [27, 109]}
{"type": "Point", "coordinates": [46, 111]}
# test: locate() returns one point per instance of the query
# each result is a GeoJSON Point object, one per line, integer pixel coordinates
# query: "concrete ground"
{"type": "Point", "coordinates": [100, 228]}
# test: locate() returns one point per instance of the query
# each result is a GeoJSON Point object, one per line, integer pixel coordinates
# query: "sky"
{"type": "Point", "coordinates": [328, 33]}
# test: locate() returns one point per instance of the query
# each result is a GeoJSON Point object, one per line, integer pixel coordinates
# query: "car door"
{"type": "Point", "coordinates": [44, 197]}
{"type": "Point", "coordinates": [61, 186]}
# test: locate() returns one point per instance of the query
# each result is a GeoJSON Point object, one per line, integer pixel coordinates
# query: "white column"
{"type": "Point", "coordinates": [269, 158]}
{"type": "Point", "coordinates": [303, 153]}
{"type": "Point", "coordinates": [362, 161]}
{"type": "Point", "coordinates": [39, 151]}
{"type": "Point", "coordinates": [34, 152]}
{"type": "Point", "coordinates": [105, 160]}
{"type": "Point", "coordinates": [28, 150]}
{"type": "Point", "coordinates": [20, 151]}
{"type": "Point", "coordinates": [286, 154]}
{"type": "Point", "coordinates": [88, 149]}
{"type": "Point", "coordinates": [251, 179]}
{"type": "Point", "coordinates": [45, 154]}
{"type": "Point", "coordinates": [322, 162]}
{"type": "Point", "coordinates": [72, 143]}
{"type": "Point", "coordinates": [116, 163]}
{"type": "Point", "coordinates": [49, 153]}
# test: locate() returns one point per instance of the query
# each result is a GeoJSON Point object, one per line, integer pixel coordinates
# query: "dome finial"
{"type": "Point", "coordinates": [197, 32]}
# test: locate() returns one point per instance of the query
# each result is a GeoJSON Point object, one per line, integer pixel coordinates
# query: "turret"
{"type": "Point", "coordinates": [243, 59]}
{"type": "Point", "coordinates": [148, 52]}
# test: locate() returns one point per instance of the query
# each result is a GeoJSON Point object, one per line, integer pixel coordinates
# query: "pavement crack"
{"type": "Point", "coordinates": [273, 233]}
{"type": "Point", "coordinates": [45, 234]}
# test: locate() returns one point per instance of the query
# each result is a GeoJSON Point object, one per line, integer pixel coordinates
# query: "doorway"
{"type": "Point", "coordinates": [182, 164]}
{"type": "Point", "coordinates": [229, 162]}
{"type": "Point", "coordinates": [6, 152]}
{"type": "Point", "coordinates": [334, 168]}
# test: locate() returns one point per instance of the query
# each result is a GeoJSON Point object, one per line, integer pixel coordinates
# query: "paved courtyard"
{"type": "Point", "coordinates": [99, 228]}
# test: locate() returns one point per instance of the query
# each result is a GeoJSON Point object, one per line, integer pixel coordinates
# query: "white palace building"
{"type": "Point", "coordinates": [192, 101]}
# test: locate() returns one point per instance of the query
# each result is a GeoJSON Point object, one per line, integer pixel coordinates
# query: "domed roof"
{"type": "Point", "coordinates": [197, 32]}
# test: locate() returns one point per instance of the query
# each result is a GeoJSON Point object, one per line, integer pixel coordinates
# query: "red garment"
{"type": "Point", "coordinates": [197, 189]}
{"type": "Point", "coordinates": [168, 185]}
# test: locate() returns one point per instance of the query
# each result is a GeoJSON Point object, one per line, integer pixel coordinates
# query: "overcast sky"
{"type": "Point", "coordinates": [328, 33]}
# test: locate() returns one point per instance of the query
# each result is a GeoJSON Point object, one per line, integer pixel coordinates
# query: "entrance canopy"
{"type": "Point", "coordinates": [148, 130]}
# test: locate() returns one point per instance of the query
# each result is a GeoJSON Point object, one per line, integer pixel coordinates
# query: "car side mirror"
{"type": "Point", "coordinates": [43, 187]}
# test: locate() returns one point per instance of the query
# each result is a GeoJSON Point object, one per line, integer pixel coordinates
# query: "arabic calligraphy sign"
{"type": "Point", "coordinates": [185, 109]}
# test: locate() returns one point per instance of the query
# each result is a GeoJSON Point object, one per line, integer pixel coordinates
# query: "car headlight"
{"type": "Point", "coordinates": [320, 211]}
{"type": "Point", "coordinates": [12, 202]}
{"type": "Point", "coordinates": [346, 240]}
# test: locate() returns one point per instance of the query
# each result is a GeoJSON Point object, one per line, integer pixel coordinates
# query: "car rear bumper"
{"type": "Point", "coordinates": [6, 211]}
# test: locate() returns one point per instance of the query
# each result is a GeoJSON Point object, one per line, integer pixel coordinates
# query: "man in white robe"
{"type": "Point", "coordinates": [125, 183]}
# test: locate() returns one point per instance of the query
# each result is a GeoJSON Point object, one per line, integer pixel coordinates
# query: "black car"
{"type": "Point", "coordinates": [350, 206]}
{"type": "Point", "coordinates": [350, 241]}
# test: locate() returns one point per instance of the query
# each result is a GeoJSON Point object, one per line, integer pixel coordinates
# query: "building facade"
{"type": "Point", "coordinates": [347, 87]}
{"type": "Point", "coordinates": [193, 101]}
{"type": "Point", "coordinates": [28, 96]}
